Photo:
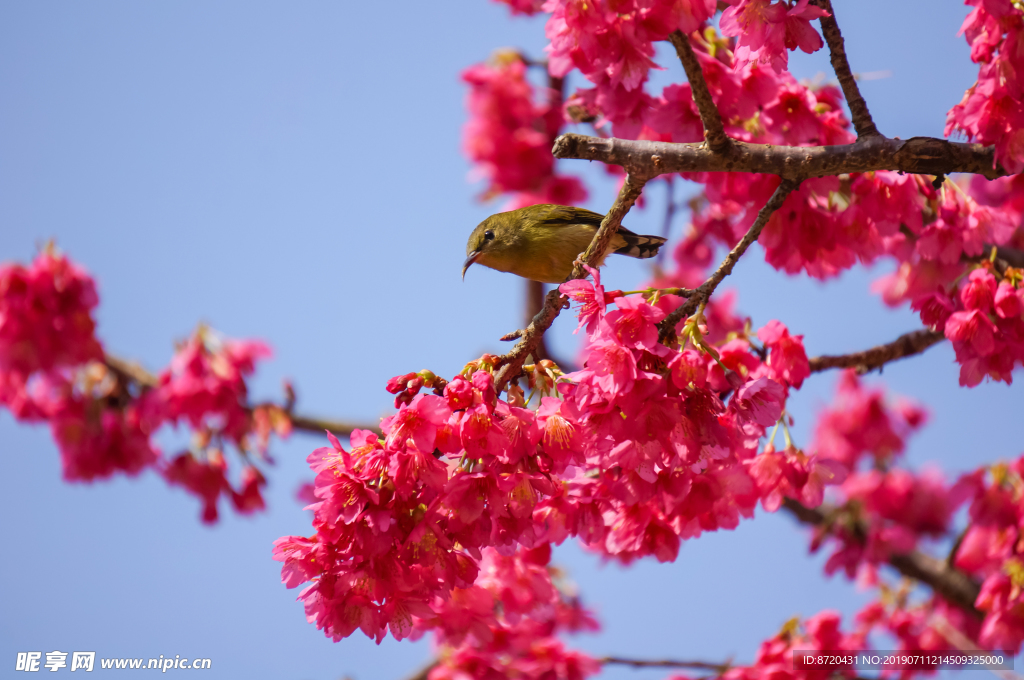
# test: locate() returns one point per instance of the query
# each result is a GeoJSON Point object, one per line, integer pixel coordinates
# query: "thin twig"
{"type": "Point", "coordinates": [906, 345]}
{"type": "Point", "coordinates": [670, 213]}
{"type": "Point", "coordinates": [714, 131]}
{"type": "Point", "coordinates": [512, 362]}
{"type": "Point", "coordinates": [951, 555]}
{"type": "Point", "coordinates": [1012, 256]}
{"type": "Point", "coordinates": [534, 300]}
{"type": "Point", "coordinates": [918, 155]}
{"type": "Point", "coordinates": [318, 425]}
{"type": "Point", "coordinates": [964, 644]}
{"type": "Point", "coordinates": [131, 370]}
{"type": "Point", "coordinates": [424, 672]}
{"type": "Point", "coordinates": [862, 122]}
{"type": "Point", "coordinates": [533, 304]}
{"type": "Point", "coordinates": [134, 372]}
{"type": "Point", "coordinates": [952, 584]}
{"type": "Point", "coordinates": [665, 663]}
{"type": "Point", "coordinates": [703, 292]}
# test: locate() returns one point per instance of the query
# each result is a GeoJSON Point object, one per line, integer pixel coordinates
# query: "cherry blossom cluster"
{"type": "Point", "coordinates": [935, 236]}
{"type": "Point", "coordinates": [53, 370]}
{"type": "Point", "coordinates": [205, 387]}
{"type": "Point", "coordinates": [932, 625]}
{"type": "Point", "coordinates": [506, 625]}
{"type": "Point", "coordinates": [863, 424]}
{"type": "Point", "coordinates": [882, 509]}
{"type": "Point", "coordinates": [642, 448]}
{"type": "Point", "coordinates": [46, 324]}
{"type": "Point", "coordinates": [991, 111]}
{"type": "Point", "coordinates": [612, 44]}
{"type": "Point", "coordinates": [765, 31]}
{"type": "Point", "coordinates": [886, 513]}
{"type": "Point", "coordinates": [648, 445]}
{"type": "Point", "coordinates": [992, 551]}
{"type": "Point", "coordinates": [821, 632]}
{"type": "Point", "coordinates": [509, 135]}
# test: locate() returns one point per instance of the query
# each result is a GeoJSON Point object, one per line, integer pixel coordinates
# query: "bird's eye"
{"type": "Point", "coordinates": [488, 235]}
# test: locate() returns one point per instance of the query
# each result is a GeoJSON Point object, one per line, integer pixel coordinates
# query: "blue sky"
{"type": "Point", "coordinates": [292, 172]}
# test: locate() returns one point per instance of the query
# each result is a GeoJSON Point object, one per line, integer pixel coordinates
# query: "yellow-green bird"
{"type": "Point", "coordinates": [541, 242]}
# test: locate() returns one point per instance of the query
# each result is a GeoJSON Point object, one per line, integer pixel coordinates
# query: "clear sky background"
{"type": "Point", "coordinates": [292, 172]}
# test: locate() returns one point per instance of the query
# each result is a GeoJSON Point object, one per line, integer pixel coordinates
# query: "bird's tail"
{"type": "Point", "coordinates": [640, 247]}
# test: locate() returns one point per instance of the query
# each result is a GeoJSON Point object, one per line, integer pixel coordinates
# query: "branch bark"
{"type": "Point", "coordinates": [535, 289]}
{"type": "Point", "coordinates": [714, 131]}
{"type": "Point", "coordinates": [862, 122]}
{"type": "Point", "coordinates": [424, 672]}
{"type": "Point", "coordinates": [906, 345]}
{"type": "Point", "coordinates": [667, 326]}
{"type": "Point", "coordinates": [535, 303]}
{"type": "Point", "coordinates": [918, 155]}
{"type": "Point", "coordinates": [531, 336]}
{"type": "Point", "coordinates": [665, 663]}
{"type": "Point", "coordinates": [133, 372]}
{"type": "Point", "coordinates": [952, 584]}
{"type": "Point", "coordinates": [1012, 256]}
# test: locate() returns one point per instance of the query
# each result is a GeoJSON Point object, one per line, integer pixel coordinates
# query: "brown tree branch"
{"type": "Point", "coordinates": [665, 663]}
{"type": "Point", "coordinates": [718, 668]}
{"type": "Point", "coordinates": [133, 372]}
{"type": "Point", "coordinates": [529, 338]}
{"type": "Point", "coordinates": [862, 122]}
{"type": "Point", "coordinates": [535, 303]}
{"type": "Point", "coordinates": [703, 292]}
{"type": "Point", "coordinates": [952, 584]}
{"type": "Point", "coordinates": [919, 155]}
{"type": "Point", "coordinates": [1012, 256]}
{"type": "Point", "coordinates": [714, 131]}
{"type": "Point", "coordinates": [318, 425]}
{"type": "Point", "coordinates": [670, 212]}
{"type": "Point", "coordinates": [424, 672]}
{"type": "Point", "coordinates": [906, 345]}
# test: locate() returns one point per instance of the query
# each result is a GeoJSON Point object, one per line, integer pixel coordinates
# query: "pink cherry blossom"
{"type": "Point", "coordinates": [590, 296]}
{"type": "Point", "coordinates": [766, 30]}
{"type": "Point", "coordinates": [205, 383]}
{"type": "Point", "coordinates": [787, 359]}
{"type": "Point", "coordinates": [46, 315]}
{"type": "Point", "coordinates": [417, 421]}
{"type": "Point", "coordinates": [761, 401]}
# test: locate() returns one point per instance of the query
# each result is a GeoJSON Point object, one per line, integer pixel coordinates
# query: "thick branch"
{"type": "Point", "coordinates": [530, 337]}
{"type": "Point", "coordinates": [862, 122]}
{"type": "Point", "coordinates": [952, 584]}
{"type": "Point", "coordinates": [906, 345]}
{"type": "Point", "coordinates": [714, 131]}
{"type": "Point", "coordinates": [919, 155]}
{"type": "Point", "coordinates": [133, 372]}
{"type": "Point", "coordinates": [704, 291]}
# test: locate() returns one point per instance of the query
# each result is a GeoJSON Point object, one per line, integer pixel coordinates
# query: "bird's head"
{"type": "Point", "coordinates": [489, 241]}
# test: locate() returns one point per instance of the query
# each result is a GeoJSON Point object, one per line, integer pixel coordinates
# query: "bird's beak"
{"type": "Point", "coordinates": [474, 256]}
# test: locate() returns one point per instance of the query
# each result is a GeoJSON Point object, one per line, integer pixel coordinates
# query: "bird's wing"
{"type": "Point", "coordinates": [563, 215]}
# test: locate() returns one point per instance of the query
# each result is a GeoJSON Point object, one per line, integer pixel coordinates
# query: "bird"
{"type": "Point", "coordinates": [541, 242]}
